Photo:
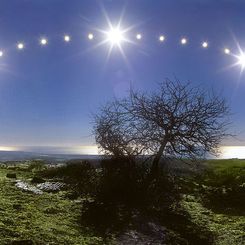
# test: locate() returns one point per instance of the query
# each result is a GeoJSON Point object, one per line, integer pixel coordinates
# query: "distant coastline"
{"type": "Point", "coordinates": [50, 157]}
{"type": "Point", "coordinates": [58, 154]}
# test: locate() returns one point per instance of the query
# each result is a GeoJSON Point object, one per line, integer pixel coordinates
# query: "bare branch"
{"type": "Point", "coordinates": [177, 120]}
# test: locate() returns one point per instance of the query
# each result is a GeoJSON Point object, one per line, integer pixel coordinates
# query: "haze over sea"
{"type": "Point", "coordinates": [8, 153]}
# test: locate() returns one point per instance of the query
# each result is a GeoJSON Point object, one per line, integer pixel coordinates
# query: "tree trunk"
{"type": "Point", "coordinates": [155, 163]}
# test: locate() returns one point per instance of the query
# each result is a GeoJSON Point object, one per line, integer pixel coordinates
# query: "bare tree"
{"type": "Point", "coordinates": [116, 133]}
{"type": "Point", "coordinates": [177, 120]}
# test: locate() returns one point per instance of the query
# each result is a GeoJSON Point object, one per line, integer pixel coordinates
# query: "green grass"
{"type": "Point", "coordinates": [54, 219]}
{"type": "Point", "coordinates": [233, 166]}
{"type": "Point", "coordinates": [45, 219]}
{"type": "Point", "coordinates": [227, 229]}
{"type": "Point", "coordinates": [215, 200]}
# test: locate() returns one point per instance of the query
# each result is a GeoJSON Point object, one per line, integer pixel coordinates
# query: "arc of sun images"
{"type": "Point", "coordinates": [115, 35]}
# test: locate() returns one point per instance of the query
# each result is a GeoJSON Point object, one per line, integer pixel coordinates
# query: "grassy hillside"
{"type": "Point", "coordinates": [212, 203]}
{"type": "Point", "coordinates": [215, 199]}
{"type": "Point", "coordinates": [44, 219]}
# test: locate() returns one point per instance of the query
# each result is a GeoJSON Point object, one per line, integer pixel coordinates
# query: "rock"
{"type": "Point", "coordinates": [146, 233]}
{"type": "Point", "coordinates": [135, 238]}
{"type": "Point", "coordinates": [39, 188]}
{"type": "Point", "coordinates": [37, 179]}
{"type": "Point", "coordinates": [11, 175]}
{"type": "Point", "coordinates": [51, 186]}
{"type": "Point", "coordinates": [27, 187]}
{"type": "Point", "coordinates": [22, 242]}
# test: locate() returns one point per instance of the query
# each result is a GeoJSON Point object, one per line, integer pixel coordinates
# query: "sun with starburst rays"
{"type": "Point", "coordinates": [114, 35]}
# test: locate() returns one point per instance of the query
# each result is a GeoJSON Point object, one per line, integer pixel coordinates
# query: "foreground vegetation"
{"type": "Point", "coordinates": [105, 205]}
{"type": "Point", "coordinates": [50, 218]}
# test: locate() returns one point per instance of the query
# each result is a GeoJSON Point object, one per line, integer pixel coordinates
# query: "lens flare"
{"type": "Point", "coordinates": [1, 53]}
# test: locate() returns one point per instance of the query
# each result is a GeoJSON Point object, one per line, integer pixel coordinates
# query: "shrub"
{"type": "Point", "coordinates": [131, 184]}
{"type": "Point", "coordinates": [126, 189]}
{"type": "Point", "coordinates": [223, 189]}
{"type": "Point", "coordinates": [37, 165]}
{"type": "Point", "coordinates": [80, 175]}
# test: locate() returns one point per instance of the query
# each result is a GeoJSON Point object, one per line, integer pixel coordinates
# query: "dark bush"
{"type": "Point", "coordinates": [11, 175]}
{"type": "Point", "coordinates": [131, 184]}
{"type": "Point", "coordinates": [226, 200]}
{"type": "Point", "coordinates": [37, 180]}
{"type": "Point", "coordinates": [127, 189]}
{"type": "Point", "coordinates": [223, 191]}
{"type": "Point", "coordinates": [180, 222]}
{"type": "Point", "coordinates": [81, 176]}
{"type": "Point", "coordinates": [37, 165]}
{"type": "Point", "coordinates": [105, 218]}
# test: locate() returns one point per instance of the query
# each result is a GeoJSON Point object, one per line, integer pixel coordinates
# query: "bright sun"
{"type": "Point", "coordinates": [115, 36]}
{"type": "Point", "coordinates": [241, 60]}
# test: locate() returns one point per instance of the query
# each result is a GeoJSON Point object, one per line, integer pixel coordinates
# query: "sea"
{"type": "Point", "coordinates": [7, 156]}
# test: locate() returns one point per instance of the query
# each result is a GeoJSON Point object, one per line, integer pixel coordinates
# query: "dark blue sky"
{"type": "Point", "coordinates": [48, 93]}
